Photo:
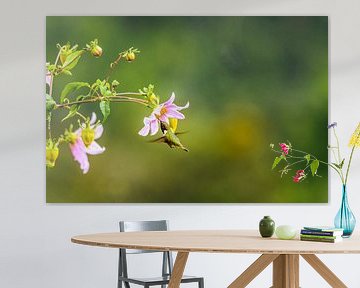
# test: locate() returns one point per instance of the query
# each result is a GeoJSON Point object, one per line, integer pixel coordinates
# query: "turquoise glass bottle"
{"type": "Point", "coordinates": [345, 219]}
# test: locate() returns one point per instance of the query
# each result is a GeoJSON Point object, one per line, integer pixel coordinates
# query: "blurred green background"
{"type": "Point", "coordinates": [251, 81]}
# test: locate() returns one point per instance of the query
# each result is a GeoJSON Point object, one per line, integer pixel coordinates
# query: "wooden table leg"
{"type": "Point", "coordinates": [286, 271]}
{"type": "Point", "coordinates": [178, 269]}
{"type": "Point", "coordinates": [324, 271]}
{"type": "Point", "coordinates": [253, 270]}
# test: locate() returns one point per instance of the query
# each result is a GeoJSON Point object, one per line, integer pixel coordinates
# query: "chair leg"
{"type": "Point", "coordinates": [201, 283]}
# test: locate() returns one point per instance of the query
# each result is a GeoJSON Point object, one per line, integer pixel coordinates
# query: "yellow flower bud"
{"type": "Point", "coordinates": [52, 153]}
{"type": "Point", "coordinates": [130, 56]}
{"type": "Point", "coordinates": [96, 51]}
{"type": "Point", "coordinates": [173, 124]}
{"type": "Point", "coordinates": [63, 57]}
{"type": "Point", "coordinates": [88, 136]}
{"type": "Point", "coordinates": [72, 137]}
{"type": "Point", "coordinates": [154, 99]}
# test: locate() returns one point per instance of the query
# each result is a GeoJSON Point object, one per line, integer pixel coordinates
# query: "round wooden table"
{"type": "Point", "coordinates": [284, 254]}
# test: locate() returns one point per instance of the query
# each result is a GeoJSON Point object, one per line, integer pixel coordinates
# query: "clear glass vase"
{"type": "Point", "coordinates": [345, 219]}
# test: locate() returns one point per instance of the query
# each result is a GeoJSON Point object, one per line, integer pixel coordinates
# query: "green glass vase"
{"type": "Point", "coordinates": [266, 227]}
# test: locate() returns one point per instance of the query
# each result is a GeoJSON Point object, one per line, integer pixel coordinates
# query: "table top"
{"type": "Point", "coordinates": [216, 241]}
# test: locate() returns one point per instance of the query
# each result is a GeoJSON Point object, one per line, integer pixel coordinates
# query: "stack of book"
{"type": "Point", "coordinates": [321, 234]}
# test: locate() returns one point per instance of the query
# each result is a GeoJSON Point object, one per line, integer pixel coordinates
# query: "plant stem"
{"type": "Point", "coordinates": [130, 94]}
{"type": "Point", "coordinates": [128, 100]}
{"type": "Point", "coordinates": [313, 158]}
{"type": "Point", "coordinates": [339, 155]}
{"type": "Point", "coordinates": [113, 65]}
{"type": "Point", "coordinates": [292, 164]}
{"type": "Point", "coordinates": [348, 167]}
{"type": "Point", "coordinates": [338, 145]}
{"type": "Point", "coordinates": [116, 98]}
{"type": "Point", "coordinates": [50, 93]}
{"type": "Point", "coordinates": [77, 113]}
{"type": "Point", "coordinates": [99, 99]}
{"type": "Point", "coordinates": [52, 75]}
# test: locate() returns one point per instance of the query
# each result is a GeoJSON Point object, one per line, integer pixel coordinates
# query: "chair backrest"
{"type": "Point", "coordinates": [138, 226]}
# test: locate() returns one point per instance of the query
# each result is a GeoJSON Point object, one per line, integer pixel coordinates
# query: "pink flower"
{"type": "Point", "coordinates": [80, 151]}
{"type": "Point", "coordinates": [151, 125]}
{"type": "Point", "coordinates": [168, 110]}
{"type": "Point", "coordinates": [300, 175]}
{"type": "Point", "coordinates": [285, 148]}
{"type": "Point", "coordinates": [162, 113]}
{"type": "Point", "coordinates": [48, 78]}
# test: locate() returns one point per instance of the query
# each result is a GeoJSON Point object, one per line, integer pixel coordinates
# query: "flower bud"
{"type": "Point", "coordinates": [130, 56]}
{"type": "Point", "coordinates": [96, 51]}
{"type": "Point", "coordinates": [173, 124]}
{"type": "Point", "coordinates": [154, 99]}
{"type": "Point", "coordinates": [71, 137]}
{"type": "Point", "coordinates": [52, 153]}
{"type": "Point", "coordinates": [88, 136]}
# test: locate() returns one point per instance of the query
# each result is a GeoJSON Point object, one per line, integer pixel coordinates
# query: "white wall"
{"type": "Point", "coordinates": [35, 248]}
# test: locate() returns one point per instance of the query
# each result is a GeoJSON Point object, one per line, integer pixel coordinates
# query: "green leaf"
{"type": "Point", "coordinates": [307, 157]}
{"type": "Point", "coordinates": [276, 161]}
{"type": "Point", "coordinates": [314, 167]}
{"type": "Point", "coordinates": [72, 59]}
{"type": "Point", "coordinates": [103, 90]}
{"type": "Point", "coordinates": [50, 103]}
{"type": "Point", "coordinates": [67, 72]}
{"type": "Point", "coordinates": [105, 109]}
{"type": "Point", "coordinates": [115, 83]}
{"type": "Point", "coordinates": [342, 163]}
{"type": "Point", "coordinates": [72, 112]}
{"type": "Point", "coordinates": [339, 165]}
{"type": "Point", "coordinates": [71, 87]}
{"type": "Point", "coordinates": [81, 97]}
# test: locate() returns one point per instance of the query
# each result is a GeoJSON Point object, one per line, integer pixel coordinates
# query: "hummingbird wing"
{"type": "Point", "coordinates": [181, 132]}
{"type": "Point", "coordinates": [157, 140]}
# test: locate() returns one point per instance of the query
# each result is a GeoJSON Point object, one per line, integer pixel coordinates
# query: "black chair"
{"type": "Point", "coordinates": [167, 265]}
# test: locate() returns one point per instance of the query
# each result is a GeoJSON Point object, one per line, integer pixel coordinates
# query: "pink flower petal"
{"type": "Point", "coordinates": [94, 149]}
{"type": "Point", "coordinates": [144, 131]}
{"type": "Point", "coordinates": [171, 99]}
{"type": "Point", "coordinates": [175, 114]}
{"type": "Point", "coordinates": [154, 126]}
{"type": "Point", "coordinates": [164, 118]}
{"type": "Point", "coordinates": [48, 78]}
{"type": "Point", "coordinates": [78, 132]}
{"type": "Point", "coordinates": [85, 166]}
{"type": "Point", "coordinates": [157, 110]}
{"type": "Point", "coordinates": [99, 129]}
{"type": "Point", "coordinates": [93, 118]}
{"type": "Point", "coordinates": [79, 154]}
{"type": "Point", "coordinates": [179, 108]}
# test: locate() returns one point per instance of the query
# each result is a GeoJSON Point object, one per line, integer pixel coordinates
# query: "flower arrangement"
{"type": "Point", "coordinates": [309, 163]}
{"type": "Point", "coordinates": [82, 139]}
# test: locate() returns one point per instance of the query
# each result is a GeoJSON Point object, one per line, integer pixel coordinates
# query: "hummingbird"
{"type": "Point", "coordinates": [170, 135]}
